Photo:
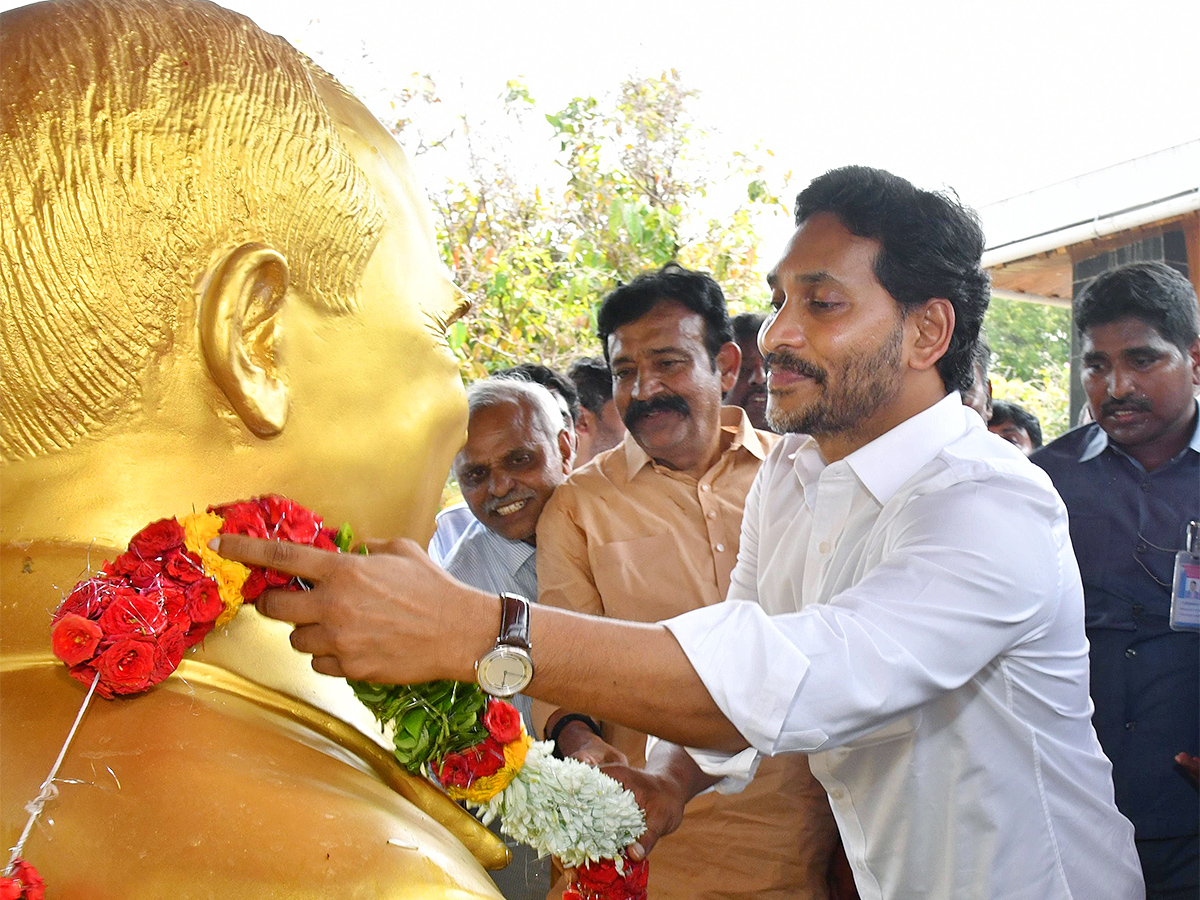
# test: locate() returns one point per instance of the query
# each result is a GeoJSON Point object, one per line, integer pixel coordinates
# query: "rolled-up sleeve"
{"type": "Point", "coordinates": [962, 577]}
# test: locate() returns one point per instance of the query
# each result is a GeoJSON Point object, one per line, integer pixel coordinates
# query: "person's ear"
{"type": "Point", "coordinates": [566, 449]}
{"type": "Point", "coordinates": [1193, 355]}
{"type": "Point", "coordinates": [931, 328]}
{"type": "Point", "coordinates": [729, 360]}
{"type": "Point", "coordinates": [239, 327]}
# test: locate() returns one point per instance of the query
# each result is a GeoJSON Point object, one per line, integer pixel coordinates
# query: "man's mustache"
{"type": "Point", "coordinates": [639, 409]}
{"type": "Point", "coordinates": [786, 361]}
{"type": "Point", "coordinates": [490, 506]}
{"type": "Point", "coordinates": [1132, 404]}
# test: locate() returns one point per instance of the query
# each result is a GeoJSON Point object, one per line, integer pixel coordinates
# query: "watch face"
{"type": "Point", "coordinates": [504, 671]}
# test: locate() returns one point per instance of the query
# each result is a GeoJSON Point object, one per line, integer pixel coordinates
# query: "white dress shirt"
{"type": "Point", "coordinates": [912, 617]}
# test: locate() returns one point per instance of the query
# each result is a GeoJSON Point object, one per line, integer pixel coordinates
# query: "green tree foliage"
{"type": "Point", "coordinates": [1031, 352]}
{"type": "Point", "coordinates": [536, 259]}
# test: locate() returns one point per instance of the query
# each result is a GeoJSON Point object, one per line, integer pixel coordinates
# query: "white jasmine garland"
{"type": "Point", "coordinates": [567, 809]}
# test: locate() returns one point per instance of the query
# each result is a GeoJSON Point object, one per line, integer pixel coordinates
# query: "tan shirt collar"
{"type": "Point", "coordinates": [734, 423]}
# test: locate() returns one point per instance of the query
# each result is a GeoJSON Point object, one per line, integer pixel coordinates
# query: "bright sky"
{"type": "Point", "coordinates": [993, 99]}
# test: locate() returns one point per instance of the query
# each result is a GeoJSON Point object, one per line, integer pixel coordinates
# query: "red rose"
{"type": "Point", "coordinates": [174, 604]}
{"type": "Point", "coordinates": [454, 771]}
{"type": "Point", "coordinates": [597, 876]}
{"type": "Point", "coordinates": [84, 675]}
{"type": "Point", "coordinates": [242, 518]}
{"type": "Point", "coordinates": [276, 579]}
{"type": "Point", "coordinates": [255, 584]}
{"type": "Point", "coordinates": [125, 667]}
{"type": "Point", "coordinates": [24, 884]}
{"type": "Point", "coordinates": [156, 539]}
{"type": "Point", "coordinates": [203, 601]}
{"type": "Point", "coordinates": [636, 876]}
{"type": "Point", "coordinates": [502, 720]}
{"type": "Point", "coordinates": [147, 575]}
{"type": "Point", "coordinates": [182, 566]}
{"type": "Point", "coordinates": [325, 540]}
{"type": "Point", "coordinates": [168, 651]}
{"type": "Point", "coordinates": [486, 758]}
{"type": "Point", "coordinates": [198, 632]}
{"type": "Point", "coordinates": [571, 894]}
{"type": "Point", "coordinates": [75, 639]}
{"type": "Point", "coordinates": [87, 600]}
{"type": "Point", "coordinates": [132, 614]}
{"type": "Point", "coordinates": [289, 521]}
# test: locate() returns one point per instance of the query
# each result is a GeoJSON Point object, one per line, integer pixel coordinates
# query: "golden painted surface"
{"type": "Point", "coordinates": [217, 279]}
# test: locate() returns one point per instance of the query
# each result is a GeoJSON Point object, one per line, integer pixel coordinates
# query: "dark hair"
{"type": "Point", "coordinates": [553, 381]}
{"type": "Point", "coordinates": [930, 246]}
{"type": "Point", "coordinates": [1150, 291]}
{"type": "Point", "coordinates": [1005, 411]}
{"type": "Point", "coordinates": [593, 380]}
{"type": "Point", "coordinates": [982, 358]}
{"type": "Point", "coordinates": [695, 290]}
{"type": "Point", "coordinates": [746, 325]}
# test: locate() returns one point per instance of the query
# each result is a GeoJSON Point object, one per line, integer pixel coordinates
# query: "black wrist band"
{"type": "Point", "coordinates": [563, 722]}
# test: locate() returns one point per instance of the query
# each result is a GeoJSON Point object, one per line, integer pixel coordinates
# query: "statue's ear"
{"type": "Point", "coordinates": [239, 325]}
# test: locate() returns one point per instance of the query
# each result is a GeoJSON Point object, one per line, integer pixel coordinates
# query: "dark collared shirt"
{"type": "Point", "coordinates": [1127, 524]}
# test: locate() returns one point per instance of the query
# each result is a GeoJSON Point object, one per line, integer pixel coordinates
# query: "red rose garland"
{"type": "Point", "coordinates": [601, 881]}
{"type": "Point", "coordinates": [131, 623]}
{"type": "Point", "coordinates": [22, 882]}
{"type": "Point", "coordinates": [125, 629]}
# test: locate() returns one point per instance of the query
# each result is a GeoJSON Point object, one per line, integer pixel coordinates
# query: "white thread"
{"type": "Point", "coordinates": [48, 791]}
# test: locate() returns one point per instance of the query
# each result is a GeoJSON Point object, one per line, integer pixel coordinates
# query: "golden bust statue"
{"type": "Point", "coordinates": [218, 280]}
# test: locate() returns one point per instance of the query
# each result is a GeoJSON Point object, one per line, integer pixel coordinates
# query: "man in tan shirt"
{"type": "Point", "coordinates": [651, 529]}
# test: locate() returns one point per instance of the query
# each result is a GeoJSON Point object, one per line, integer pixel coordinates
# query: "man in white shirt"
{"type": "Point", "coordinates": [906, 606]}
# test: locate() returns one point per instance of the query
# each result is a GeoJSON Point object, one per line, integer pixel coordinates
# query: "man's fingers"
{"type": "Point", "coordinates": [328, 665]}
{"type": "Point", "coordinates": [298, 607]}
{"type": "Point", "coordinates": [283, 556]}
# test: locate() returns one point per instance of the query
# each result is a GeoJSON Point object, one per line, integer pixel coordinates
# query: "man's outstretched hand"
{"type": "Point", "coordinates": [392, 617]}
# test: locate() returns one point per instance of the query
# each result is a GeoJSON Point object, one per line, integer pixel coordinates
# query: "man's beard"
{"type": "Point", "coordinates": [864, 386]}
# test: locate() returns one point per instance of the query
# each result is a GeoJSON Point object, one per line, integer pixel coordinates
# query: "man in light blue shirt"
{"type": "Point", "coordinates": [518, 451]}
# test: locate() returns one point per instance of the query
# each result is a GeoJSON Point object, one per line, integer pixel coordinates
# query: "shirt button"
{"type": "Point", "coordinates": [712, 514]}
{"type": "Point", "coordinates": [1145, 485]}
{"type": "Point", "coordinates": [1129, 726]}
{"type": "Point", "coordinates": [720, 548]}
{"type": "Point", "coordinates": [837, 794]}
{"type": "Point", "coordinates": [1130, 653]}
{"type": "Point", "coordinates": [1141, 548]}
{"type": "Point", "coordinates": [823, 546]}
{"type": "Point", "coordinates": [704, 487]}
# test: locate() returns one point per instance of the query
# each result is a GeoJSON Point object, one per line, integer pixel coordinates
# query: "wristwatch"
{"type": "Point", "coordinates": [507, 668]}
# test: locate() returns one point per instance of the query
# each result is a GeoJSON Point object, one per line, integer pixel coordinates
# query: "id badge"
{"type": "Point", "coordinates": [1185, 588]}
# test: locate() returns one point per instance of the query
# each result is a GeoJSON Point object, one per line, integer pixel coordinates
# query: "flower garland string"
{"type": "Point", "coordinates": [125, 629]}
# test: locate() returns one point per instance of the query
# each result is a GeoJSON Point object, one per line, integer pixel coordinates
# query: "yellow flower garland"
{"type": "Point", "coordinates": [198, 530]}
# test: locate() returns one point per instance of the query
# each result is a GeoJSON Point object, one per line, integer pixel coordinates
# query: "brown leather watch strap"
{"type": "Point", "coordinates": [514, 621]}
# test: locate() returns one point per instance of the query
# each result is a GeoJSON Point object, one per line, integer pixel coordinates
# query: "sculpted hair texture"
{"type": "Point", "coordinates": [695, 290]}
{"type": "Point", "coordinates": [140, 141]}
{"type": "Point", "coordinates": [930, 246]}
{"type": "Point", "coordinates": [1150, 291]}
{"type": "Point", "coordinates": [593, 380]}
{"type": "Point", "coordinates": [501, 389]}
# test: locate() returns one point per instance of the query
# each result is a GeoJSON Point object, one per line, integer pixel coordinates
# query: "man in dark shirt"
{"type": "Point", "coordinates": [1131, 483]}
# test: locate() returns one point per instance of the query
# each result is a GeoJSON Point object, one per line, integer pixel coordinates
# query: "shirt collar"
{"type": "Point", "coordinates": [895, 456]}
{"type": "Point", "coordinates": [1099, 441]}
{"type": "Point", "coordinates": [733, 419]}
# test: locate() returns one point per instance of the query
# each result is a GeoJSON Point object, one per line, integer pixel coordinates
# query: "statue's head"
{"type": "Point", "coordinates": [218, 279]}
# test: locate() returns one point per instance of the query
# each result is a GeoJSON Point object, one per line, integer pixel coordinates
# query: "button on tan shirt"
{"type": "Point", "coordinates": [627, 538]}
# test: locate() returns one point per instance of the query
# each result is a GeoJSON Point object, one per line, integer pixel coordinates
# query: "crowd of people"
{"type": "Point", "coordinates": [910, 661]}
